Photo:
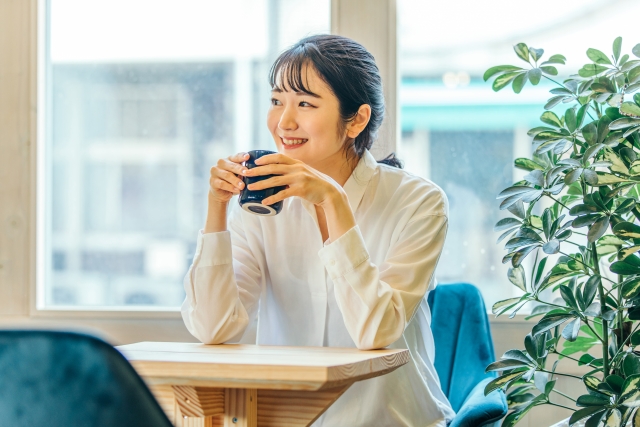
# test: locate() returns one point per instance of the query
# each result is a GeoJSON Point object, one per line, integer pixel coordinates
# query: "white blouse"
{"type": "Point", "coordinates": [367, 289]}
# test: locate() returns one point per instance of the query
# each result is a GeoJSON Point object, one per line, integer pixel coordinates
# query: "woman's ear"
{"type": "Point", "coordinates": [359, 122]}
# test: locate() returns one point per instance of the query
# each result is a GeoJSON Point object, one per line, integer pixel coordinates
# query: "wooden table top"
{"type": "Point", "coordinates": [258, 366]}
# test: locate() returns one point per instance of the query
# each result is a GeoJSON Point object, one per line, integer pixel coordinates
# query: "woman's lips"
{"type": "Point", "coordinates": [292, 143]}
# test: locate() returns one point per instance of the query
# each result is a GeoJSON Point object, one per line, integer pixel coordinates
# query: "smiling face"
{"type": "Point", "coordinates": [308, 126]}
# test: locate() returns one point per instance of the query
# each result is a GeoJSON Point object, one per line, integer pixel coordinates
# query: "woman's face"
{"type": "Point", "coordinates": [308, 127]}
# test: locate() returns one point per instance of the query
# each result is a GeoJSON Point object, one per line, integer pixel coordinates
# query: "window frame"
{"type": "Point", "coordinates": [372, 22]}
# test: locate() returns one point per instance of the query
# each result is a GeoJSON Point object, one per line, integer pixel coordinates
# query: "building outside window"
{"type": "Point", "coordinates": [133, 122]}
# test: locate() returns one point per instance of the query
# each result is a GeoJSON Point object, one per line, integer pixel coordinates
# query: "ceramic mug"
{"type": "Point", "coordinates": [251, 201]}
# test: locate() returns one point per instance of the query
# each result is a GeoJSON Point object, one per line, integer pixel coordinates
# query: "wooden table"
{"type": "Point", "coordinates": [251, 385]}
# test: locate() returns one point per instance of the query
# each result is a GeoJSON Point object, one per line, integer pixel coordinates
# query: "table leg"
{"type": "Point", "coordinates": [189, 406]}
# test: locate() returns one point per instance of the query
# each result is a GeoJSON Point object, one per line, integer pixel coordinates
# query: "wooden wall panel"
{"type": "Point", "coordinates": [17, 131]}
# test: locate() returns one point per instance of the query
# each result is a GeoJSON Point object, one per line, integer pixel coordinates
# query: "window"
{"type": "Point", "coordinates": [135, 115]}
{"type": "Point", "coordinates": [459, 133]}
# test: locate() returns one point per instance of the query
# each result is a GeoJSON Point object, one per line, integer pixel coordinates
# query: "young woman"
{"type": "Point", "coordinates": [349, 260]}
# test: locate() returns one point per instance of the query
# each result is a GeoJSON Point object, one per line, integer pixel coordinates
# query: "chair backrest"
{"type": "Point", "coordinates": [462, 339]}
{"type": "Point", "coordinates": [57, 379]}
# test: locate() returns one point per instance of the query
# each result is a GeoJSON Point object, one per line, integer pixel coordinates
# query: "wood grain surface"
{"type": "Point", "coordinates": [259, 367]}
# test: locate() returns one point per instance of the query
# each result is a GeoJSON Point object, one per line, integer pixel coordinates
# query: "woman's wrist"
{"type": "Point", "coordinates": [216, 216]}
{"type": "Point", "coordinates": [340, 217]}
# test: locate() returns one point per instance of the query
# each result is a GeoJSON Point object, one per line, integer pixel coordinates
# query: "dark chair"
{"type": "Point", "coordinates": [463, 350]}
{"type": "Point", "coordinates": [57, 379]}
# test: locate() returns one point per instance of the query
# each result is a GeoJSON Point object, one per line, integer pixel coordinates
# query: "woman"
{"type": "Point", "coordinates": [349, 260]}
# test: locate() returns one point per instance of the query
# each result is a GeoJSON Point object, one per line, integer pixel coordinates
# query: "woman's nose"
{"type": "Point", "coordinates": [288, 120]}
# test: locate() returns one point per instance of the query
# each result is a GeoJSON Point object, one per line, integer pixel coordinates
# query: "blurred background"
{"type": "Point", "coordinates": [134, 120]}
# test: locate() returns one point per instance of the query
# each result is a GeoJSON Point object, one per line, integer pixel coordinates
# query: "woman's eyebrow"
{"type": "Point", "coordinates": [299, 93]}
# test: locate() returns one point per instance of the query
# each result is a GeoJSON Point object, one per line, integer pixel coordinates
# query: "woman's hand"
{"type": "Point", "coordinates": [309, 184]}
{"type": "Point", "coordinates": [300, 179]}
{"type": "Point", "coordinates": [224, 181]}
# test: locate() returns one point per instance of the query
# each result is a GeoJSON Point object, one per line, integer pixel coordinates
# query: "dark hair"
{"type": "Point", "coordinates": [351, 73]}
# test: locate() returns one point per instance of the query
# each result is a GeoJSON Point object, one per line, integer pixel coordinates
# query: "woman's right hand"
{"type": "Point", "coordinates": [224, 181]}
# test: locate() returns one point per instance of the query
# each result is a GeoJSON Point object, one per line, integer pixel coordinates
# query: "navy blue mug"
{"type": "Point", "coordinates": [251, 201]}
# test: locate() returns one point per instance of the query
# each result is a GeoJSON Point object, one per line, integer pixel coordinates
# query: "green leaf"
{"type": "Point", "coordinates": [536, 54]}
{"type": "Point", "coordinates": [584, 413]}
{"type": "Point", "coordinates": [631, 289]}
{"type": "Point", "coordinates": [522, 51]}
{"type": "Point", "coordinates": [502, 81]}
{"type": "Point", "coordinates": [499, 69]}
{"type": "Point", "coordinates": [626, 252]}
{"type": "Point", "coordinates": [535, 75]}
{"type": "Point", "coordinates": [630, 109]}
{"type": "Point", "coordinates": [506, 223]}
{"type": "Point", "coordinates": [636, 50]}
{"type": "Point", "coordinates": [550, 118]}
{"type": "Point", "coordinates": [617, 45]}
{"type": "Point", "coordinates": [519, 82]}
{"type": "Point", "coordinates": [598, 229]}
{"type": "Point", "coordinates": [590, 289]}
{"type": "Point", "coordinates": [568, 297]}
{"type": "Point", "coordinates": [517, 277]}
{"type": "Point", "coordinates": [502, 380]}
{"type": "Point", "coordinates": [504, 305]}
{"type": "Point", "coordinates": [571, 330]}
{"type": "Point", "coordinates": [590, 134]}
{"type": "Point", "coordinates": [622, 267]}
{"type": "Point", "coordinates": [548, 69]}
{"type": "Point", "coordinates": [517, 355]}
{"type": "Point", "coordinates": [624, 123]}
{"type": "Point", "coordinates": [589, 400]}
{"type": "Point", "coordinates": [608, 179]}
{"type": "Point", "coordinates": [613, 418]}
{"type": "Point", "coordinates": [630, 395]}
{"type": "Point", "coordinates": [549, 322]}
{"type": "Point", "coordinates": [527, 164]}
{"type": "Point", "coordinates": [555, 59]}
{"type": "Point", "coordinates": [590, 70]}
{"type": "Point", "coordinates": [627, 230]}
{"type": "Point", "coordinates": [552, 102]}
{"type": "Point", "coordinates": [571, 119]}
{"type": "Point", "coordinates": [598, 57]}
{"type": "Point", "coordinates": [502, 365]}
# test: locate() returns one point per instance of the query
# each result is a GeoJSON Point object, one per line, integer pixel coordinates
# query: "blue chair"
{"type": "Point", "coordinates": [463, 350]}
{"type": "Point", "coordinates": [58, 379]}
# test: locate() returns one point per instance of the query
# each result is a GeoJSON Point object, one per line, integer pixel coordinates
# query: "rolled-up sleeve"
{"type": "Point", "coordinates": [377, 302]}
{"type": "Point", "coordinates": [222, 287]}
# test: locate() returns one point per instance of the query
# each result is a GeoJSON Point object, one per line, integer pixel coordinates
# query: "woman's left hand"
{"type": "Point", "coordinates": [301, 180]}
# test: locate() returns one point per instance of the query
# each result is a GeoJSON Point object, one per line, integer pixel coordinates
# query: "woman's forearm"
{"type": "Point", "coordinates": [216, 216]}
{"type": "Point", "coordinates": [340, 218]}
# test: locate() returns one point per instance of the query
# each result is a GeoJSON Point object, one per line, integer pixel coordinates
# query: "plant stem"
{"type": "Point", "coordinates": [603, 306]}
{"type": "Point", "coordinates": [559, 84]}
{"type": "Point", "coordinates": [562, 394]}
{"type": "Point", "coordinates": [564, 355]}
{"type": "Point", "coordinates": [559, 373]}
{"type": "Point", "coordinates": [561, 406]}
{"type": "Point", "coordinates": [557, 201]}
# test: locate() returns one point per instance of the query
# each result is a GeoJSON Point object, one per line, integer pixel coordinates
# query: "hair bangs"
{"type": "Point", "coordinates": [287, 72]}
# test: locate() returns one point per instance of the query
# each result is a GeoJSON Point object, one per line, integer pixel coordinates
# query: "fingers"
{"type": "Point", "coordinates": [239, 158]}
{"type": "Point", "coordinates": [231, 166]}
{"type": "Point", "coordinates": [278, 196]}
{"type": "Point", "coordinates": [275, 158]}
{"type": "Point", "coordinates": [276, 181]}
{"type": "Point", "coordinates": [270, 169]}
{"type": "Point", "coordinates": [219, 184]}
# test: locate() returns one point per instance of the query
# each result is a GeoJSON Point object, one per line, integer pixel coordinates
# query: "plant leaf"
{"type": "Point", "coordinates": [502, 380]}
{"type": "Point", "coordinates": [627, 230]}
{"type": "Point", "coordinates": [535, 75]}
{"type": "Point", "coordinates": [630, 394]}
{"type": "Point", "coordinates": [598, 229]}
{"type": "Point", "coordinates": [522, 51]}
{"type": "Point", "coordinates": [498, 69]}
{"type": "Point", "coordinates": [517, 277]}
{"type": "Point", "coordinates": [598, 57]}
{"type": "Point", "coordinates": [617, 46]}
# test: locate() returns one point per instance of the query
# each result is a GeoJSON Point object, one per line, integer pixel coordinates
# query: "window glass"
{"type": "Point", "coordinates": [462, 135]}
{"type": "Point", "coordinates": [141, 98]}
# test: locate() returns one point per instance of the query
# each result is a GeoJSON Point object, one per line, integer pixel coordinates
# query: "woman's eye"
{"type": "Point", "coordinates": [275, 101]}
{"type": "Point", "coordinates": [305, 104]}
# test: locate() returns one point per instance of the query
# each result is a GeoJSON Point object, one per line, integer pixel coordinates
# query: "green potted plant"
{"type": "Point", "coordinates": [575, 220]}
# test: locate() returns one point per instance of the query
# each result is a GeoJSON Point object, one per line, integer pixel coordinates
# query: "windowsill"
{"type": "Point", "coordinates": [121, 313]}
